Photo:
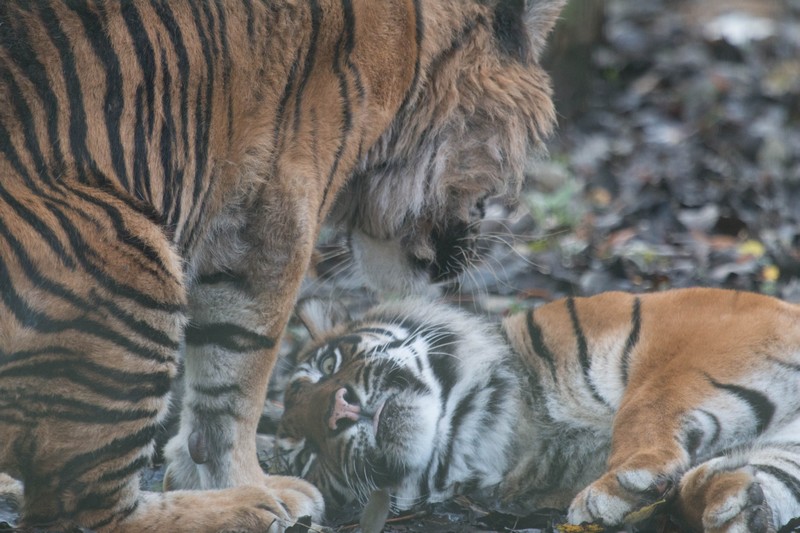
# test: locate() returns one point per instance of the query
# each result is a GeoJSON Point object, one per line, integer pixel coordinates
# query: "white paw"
{"type": "Point", "coordinates": [744, 510]}
{"type": "Point", "coordinates": [595, 505]}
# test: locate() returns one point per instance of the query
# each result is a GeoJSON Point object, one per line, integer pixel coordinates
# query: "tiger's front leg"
{"type": "Point", "coordinates": [647, 458]}
{"type": "Point", "coordinates": [238, 312]}
{"type": "Point", "coordinates": [229, 356]}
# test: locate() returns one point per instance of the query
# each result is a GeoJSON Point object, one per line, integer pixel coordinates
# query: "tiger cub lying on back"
{"type": "Point", "coordinates": [605, 404]}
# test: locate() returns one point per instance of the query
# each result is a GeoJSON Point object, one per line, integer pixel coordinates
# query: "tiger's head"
{"type": "Point", "coordinates": [394, 402]}
{"type": "Point", "coordinates": [479, 108]}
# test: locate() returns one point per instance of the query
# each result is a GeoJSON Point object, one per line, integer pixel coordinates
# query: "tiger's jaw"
{"type": "Point", "coordinates": [421, 261]}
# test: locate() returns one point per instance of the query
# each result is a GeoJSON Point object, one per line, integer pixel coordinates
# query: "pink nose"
{"type": "Point", "coordinates": [342, 409]}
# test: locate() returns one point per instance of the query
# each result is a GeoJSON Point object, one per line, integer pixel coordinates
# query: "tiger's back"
{"type": "Point", "coordinates": [617, 342]}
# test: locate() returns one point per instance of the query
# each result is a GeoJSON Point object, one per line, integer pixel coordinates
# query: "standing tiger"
{"type": "Point", "coordinates": [604, 404]}
{"type": "Point", "coordinates": [165, 166]}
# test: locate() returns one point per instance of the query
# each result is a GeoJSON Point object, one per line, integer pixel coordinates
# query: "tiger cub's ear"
{"type": "Point", "coordinates": [320, 316]}
{"type": "Point", "coordinates": [522, 26]}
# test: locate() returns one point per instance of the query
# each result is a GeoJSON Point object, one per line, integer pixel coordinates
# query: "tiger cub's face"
{"type": "Point", "coordinates": [372, 404]}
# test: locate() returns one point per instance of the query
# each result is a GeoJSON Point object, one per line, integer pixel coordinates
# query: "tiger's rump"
{"type": "Point", "coordinates": [105, 341]}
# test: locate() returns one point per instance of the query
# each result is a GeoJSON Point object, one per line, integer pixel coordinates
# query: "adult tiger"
{"type": "Point", "coordinates": [608, 402]}
{"type": "Point", "coordinates": [169, 162]}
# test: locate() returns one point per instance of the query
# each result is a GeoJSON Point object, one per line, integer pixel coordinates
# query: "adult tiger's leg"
{"type": "Point", "coordinates": [752, 490]}
{"type": "Point", "coordinates": [238, 313]}
{"type": "Point", "coordinates": [91, 315]}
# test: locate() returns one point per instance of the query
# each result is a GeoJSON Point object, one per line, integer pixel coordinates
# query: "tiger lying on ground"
{"type": "Point", "coordinates": [605, 404]}
{"type": "Point", "coordinates": [165, 166]}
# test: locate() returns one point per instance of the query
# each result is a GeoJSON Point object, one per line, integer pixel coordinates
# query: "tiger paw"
{"type": "Point", "coordinates": [241, 509]}
{"type": "Point", "coordinates": [724, 501]}
{"type": "Point", "coordinates": [613, 498]}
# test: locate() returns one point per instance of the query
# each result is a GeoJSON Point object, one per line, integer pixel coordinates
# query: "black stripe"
{"type": "Point", "coordinates": [145, 56]}
{"type": "Point", "coordinates": [465, 406]}
{"type": "Point", "coordinates": [316, 18]}
{"type": "Point", "coordinates": [21, 355]}
{"type": "Point", "coordinates": [27, 61]}
{"type": "Point", "coordinates": [52, 240]}
{"type": "Point", "coordinates": [79, 464]}
{"type": "Point", "coordinates": [25, 118]}
{"type": "Point", "coordinates": [227, 65]}
{"type": "Point", "coordinates": [786, 479]}
{"type": "Point", "coordinates": [458, 42]}
{"type": "Point", "coordinates": [124, 386]}
{"type": "Point", "coordinates": [229, 336]}
{"type": "Point", "coordinates": [346, 41]}
{"type": "Point", "coordinates": [78, 126]}
{"type": "Point", "coordinates": [761, 406]}
{"type": "Point", "coordinates": [202, 125]}
{"type": "Point", "coordinates": [785, 364]}
{"type": "Point", "coordinates": [38, 321]}
{"type": "Point", "coordinates": [217, 390]}
{"type": "Point", "coordinates": [126, 471]}
{"type": "Point", "coordinates": [400, 377]}
{"type": "Point", "coordinates": [113, 102]}
{"type": "Point", "coordinates": [443, 361]}
{"type": "Point", "coordinates": [376, 330]}
{"type": "Point", "coordinates": [583, 351]}
{"type": "Point", "coordinates": [633, 338]}
{"type": "Point", "coordinates": [83, 251]}
{"type": "Point", "coordinates": [366, 378]}
{"type": "Point", "coordinates": [118, 516]}
{"type": "Point", "coordinates": [172, 178]}
{"type": "Point", "coordinates": [539, 345]}
{"type": "Point", "coordinates": [280, 112]}
{"type": "Point", "coordinates": [558, 460]}
{"type": "Point", "coordinates": [124, 235]}
{"type": "Point", "coordinates": [141, 177]}
{"type": "Point", "coordinates": [424, 486]}
{"type": "Point", "coordinates": [500, 389]}
{"type": "Point", "coordinates": [248, 6]}
{"type": "Point", "coordinates": [418, 36]}
{"type": "Point", "coordinates": [42, 282]}
{"type": "Point", "coordinates": [232, 278]}
{"type": "Point", "coordinates": [68, 408]}
{"type": "Point", "coordinates": [207, 412]}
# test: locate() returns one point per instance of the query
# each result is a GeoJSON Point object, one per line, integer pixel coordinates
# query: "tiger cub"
{"type": "Point", "coordinates": [605, 404]}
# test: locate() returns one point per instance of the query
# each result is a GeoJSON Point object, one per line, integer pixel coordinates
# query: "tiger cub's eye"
{"type": "Point", "coordinates": [328, 364]}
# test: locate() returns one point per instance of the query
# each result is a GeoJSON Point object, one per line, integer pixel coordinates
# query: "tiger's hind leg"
{"type": "Point", "coordinates": [755, 490]}
{"type": "Point", "coordinates": [91, 320]}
